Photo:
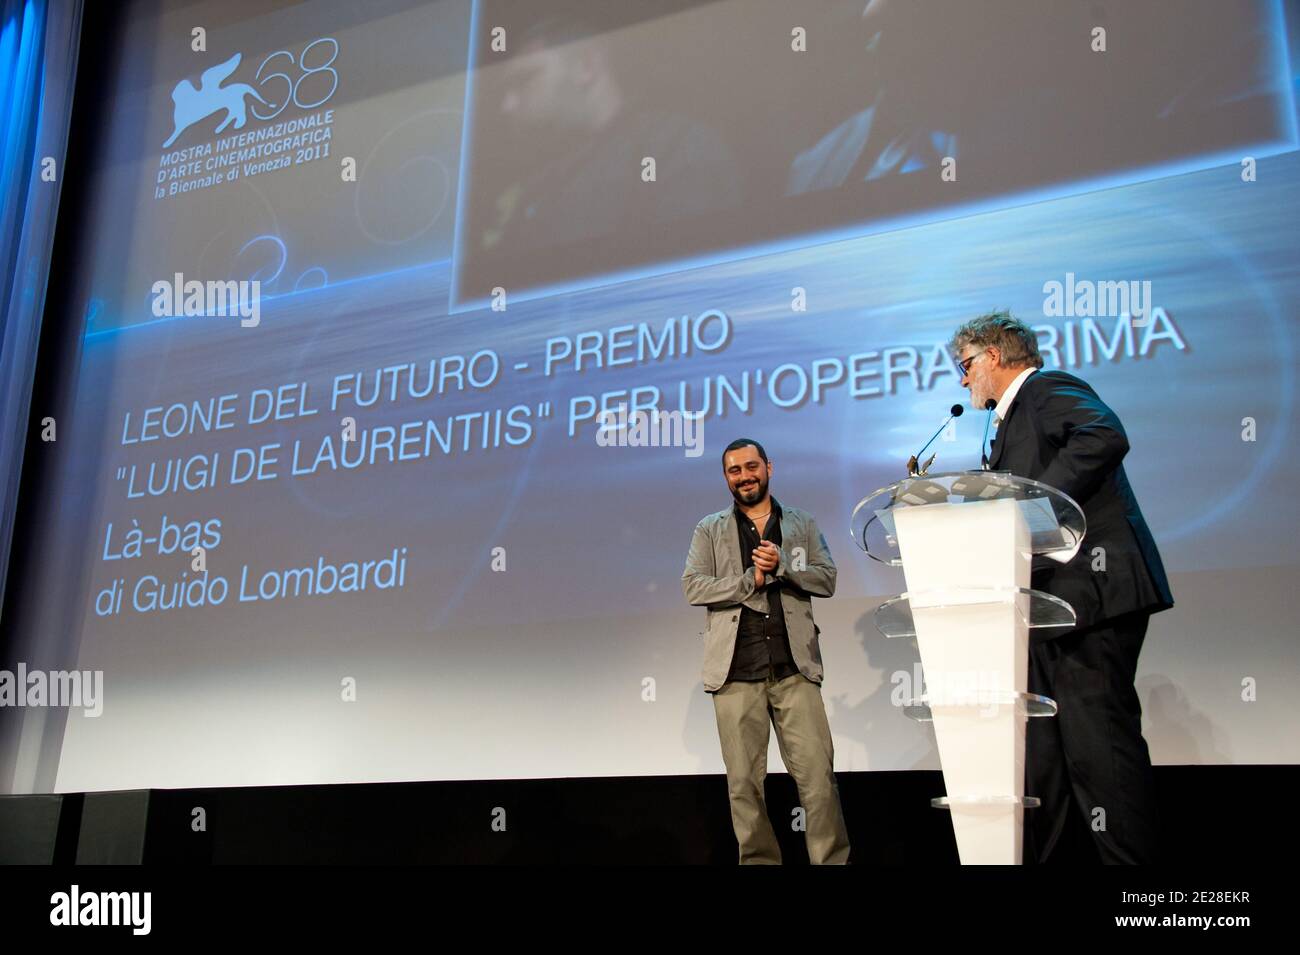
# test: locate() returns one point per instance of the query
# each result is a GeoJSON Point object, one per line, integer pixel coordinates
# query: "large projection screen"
{"type": "Point", "coordinates": [476, 226]}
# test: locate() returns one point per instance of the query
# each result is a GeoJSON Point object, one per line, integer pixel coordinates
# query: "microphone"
{"type": "Point", "coordinates": [912, 467]}
{"type": "Point", "coordinates": [990, 404]}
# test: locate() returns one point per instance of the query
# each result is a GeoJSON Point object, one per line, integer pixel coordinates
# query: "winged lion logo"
{"type": "Point", "coordinates": [196, 104]}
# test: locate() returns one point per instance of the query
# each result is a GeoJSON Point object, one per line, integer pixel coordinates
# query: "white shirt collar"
{"type": "Point", "coordinates": [1008, 396]}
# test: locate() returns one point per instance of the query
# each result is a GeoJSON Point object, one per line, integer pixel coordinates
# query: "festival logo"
{"type": "Point", "coordinates": [194, 105]}
{"type": "Point", "coordinates": [251, 136]}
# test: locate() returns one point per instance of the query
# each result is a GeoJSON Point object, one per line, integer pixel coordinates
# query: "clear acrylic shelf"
{"type": "Point", "coordinates": [1031, 704]}
{"type": "Point", "coordinates": [1056, 523]}
{"type": "Point", "coordinates": [997, 803]}
{"type": "Point", "coordinates": [893, 618]}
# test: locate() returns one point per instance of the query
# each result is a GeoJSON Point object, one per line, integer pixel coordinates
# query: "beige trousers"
{"type": "Point", "coordinates": [745, 711]}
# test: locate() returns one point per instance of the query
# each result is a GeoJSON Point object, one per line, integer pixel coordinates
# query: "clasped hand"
{"type": "Point", "coordinates": [766, 557]}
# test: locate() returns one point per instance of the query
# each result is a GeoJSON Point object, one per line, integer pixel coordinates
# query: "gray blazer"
{"type": "Point", "coordinates": [714, 578]}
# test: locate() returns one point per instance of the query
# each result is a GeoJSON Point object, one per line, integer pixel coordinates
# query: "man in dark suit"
{"type": "Point", "coordinates": [1053, 428]}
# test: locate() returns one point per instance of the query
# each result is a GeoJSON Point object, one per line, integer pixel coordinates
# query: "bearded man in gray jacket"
{"type": "Point", "coordinates": [756, 566]}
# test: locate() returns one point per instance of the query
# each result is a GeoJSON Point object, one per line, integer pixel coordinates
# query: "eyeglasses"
{"type": "Point", "coordinates": [963, 367]}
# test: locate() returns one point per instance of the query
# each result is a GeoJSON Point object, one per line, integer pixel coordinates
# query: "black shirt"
{"type": "Point", "coordinates": [762, 644]}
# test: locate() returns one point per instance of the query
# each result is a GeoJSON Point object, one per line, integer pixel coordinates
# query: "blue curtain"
{"type": "Point", "coordinates": [38, 56]}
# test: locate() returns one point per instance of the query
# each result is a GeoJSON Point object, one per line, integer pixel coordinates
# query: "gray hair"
{"type": "Point", "coordinates": [1012, 337]}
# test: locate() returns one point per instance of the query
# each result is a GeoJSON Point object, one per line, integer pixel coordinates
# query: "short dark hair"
{"type": "Point", "coordinates": [743, 443]}
{"type": "Point", "coordinates": [1016, 340]}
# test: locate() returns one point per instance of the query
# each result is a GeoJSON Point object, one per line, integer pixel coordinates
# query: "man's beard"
{"type": "Point", "coordinates": [752, 495]}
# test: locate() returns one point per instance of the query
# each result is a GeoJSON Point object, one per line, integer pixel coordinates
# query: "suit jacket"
{"type": "Point", "coordinates": [1058, 431]}
{"type": "Point", "coordinates": [715, 578]}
